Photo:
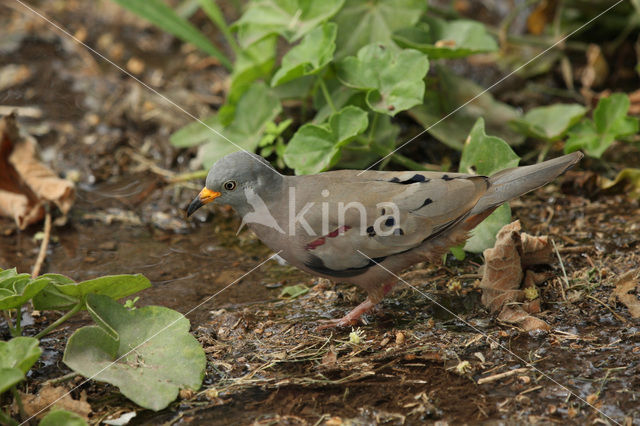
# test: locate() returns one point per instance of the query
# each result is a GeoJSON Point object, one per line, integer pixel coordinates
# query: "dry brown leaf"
{"type": "Point", "coordinates": [506, 286]}
{"type": "Point", "coordinates": [503, 269]}
{"type": "Point", "coordinates": [516, 315]}
{"type": "Point", "coordinates": [541, 16]}
{"type": "Point", "coordinates": [535, 250]}
{"type": "Point", "coordinates": [626, 283]}
{"type": "Point", "coordinates": [330, 358]}
{"type": "Point", "coordinates": [25, 183]}
{"type": "Point", "coordinates": [57, 397]}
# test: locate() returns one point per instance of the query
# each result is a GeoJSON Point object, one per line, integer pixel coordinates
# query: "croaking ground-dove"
{"type": "Point", "coordinates": [342, 224]}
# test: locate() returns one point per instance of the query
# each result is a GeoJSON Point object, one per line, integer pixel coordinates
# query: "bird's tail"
{"type": "Point", "coordinates": [511, 183]}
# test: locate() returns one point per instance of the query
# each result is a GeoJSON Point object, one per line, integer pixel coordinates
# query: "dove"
{"type": "Point", "coordinates": [364, 227]}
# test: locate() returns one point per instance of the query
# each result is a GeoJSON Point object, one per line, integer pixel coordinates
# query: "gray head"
{"type": "Point", "coordinates": [230, 176]}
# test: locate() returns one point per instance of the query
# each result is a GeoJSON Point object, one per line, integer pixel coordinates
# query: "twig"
{"type": "Point", "coordinates": [564, 272]}
{"type": "Point", "coordinates": [60, 379]}
{"type": "Point", "coordinates": [45, 243]}
{"type": "Point", "coordinates": [499, 376]}
{"type": "Point", "coordinates": [621, 319]}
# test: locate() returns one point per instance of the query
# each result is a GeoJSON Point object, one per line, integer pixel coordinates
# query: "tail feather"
{"type": "Point", "coordinates": [511, 183]}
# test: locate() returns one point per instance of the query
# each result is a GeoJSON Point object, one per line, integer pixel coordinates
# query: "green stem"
{"type": "Point", "coordinates": [215, 14]}
{"type": "Point", "coordinates": [59, 321]}
{"type": "Point", "coordinates": [374, 122]}
{"type": "Point", "coordinates": [16, 397]}
{"type": "Point", "coordinates": [18, 328]}
{"type": "Point", "coordinates": [6, 420]}
{"type": "Point", "coordinates": [326, 94]}
{"type": "Point", "coordinates": [200, 174]}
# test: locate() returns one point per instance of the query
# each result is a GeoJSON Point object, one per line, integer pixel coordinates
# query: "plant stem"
{"type": "Point", "coordinates": [374, 122]}
{"type": "Point", "coordinates": [200, 174]}
{"type": "Point", "coordinates": [59, 321]}
{"type": "Point", "coordinates": [17, 329]}
{"type": "Point", "coordinates": [327, 97]}
{"type": "Point", "coordinates": [6, 420]}
{"type": "Point", "coordinates": [45, 244]}
{"type": "Point", "coordinates": [60, 379]}
{"type": "Point", "coordinates": [215, 14]}
{"type": "Point", "coordinates": [16, 396]}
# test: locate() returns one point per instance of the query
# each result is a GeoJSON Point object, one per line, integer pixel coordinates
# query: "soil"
{"type": "Point", "coordinates": [267, 364]}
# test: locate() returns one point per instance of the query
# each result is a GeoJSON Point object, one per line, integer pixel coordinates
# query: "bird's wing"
{"type": "Point", "coordinates": [373, 215]}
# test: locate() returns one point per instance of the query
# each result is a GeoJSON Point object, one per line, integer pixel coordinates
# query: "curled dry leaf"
{"type": "Point", "coordinates": [26, 184]}
{"type": "Point", "coordinates": [506, 286]}
{"type": "Point", "coordinates": [59, 397]}
{"type": "Point", "coordinates": [624, 285]}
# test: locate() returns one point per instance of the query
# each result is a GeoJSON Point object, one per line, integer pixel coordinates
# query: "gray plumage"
{"type": "Point", "coordinates": [352, 220]}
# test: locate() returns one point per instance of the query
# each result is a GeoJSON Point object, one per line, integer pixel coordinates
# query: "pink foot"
{"type": "Point", "coordinates": [352, 318]}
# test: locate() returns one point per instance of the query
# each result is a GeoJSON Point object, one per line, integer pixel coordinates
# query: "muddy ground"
{"type": "Point", "coordinates": [267, 364]}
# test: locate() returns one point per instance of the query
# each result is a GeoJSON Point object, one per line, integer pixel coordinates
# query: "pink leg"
{"type": "Point", "coordinates": [353, 317]}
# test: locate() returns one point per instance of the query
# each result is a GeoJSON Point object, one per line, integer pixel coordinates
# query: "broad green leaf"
{"type": "Point", "coordinates": [393, 80]}
{"type": "Point", "coordinates": [21, 291]}
{"type": "Point", "coordinates": [66, 295]}
{"type": "Point", "coordinates": [310, 56]}
{"type": "Point", "coordinates": [487, 155]}
{"type": "Point", "coordinates": [9, 377]}
{"type": "Point", "coordinates": [257, 107]}
{"type": "Point", "coordinates": [253, 63]}
{"type": "Point", "coordinates": [443, 115]}
{"type": "Point", "coordinates": [362, 22]}
{"type": "Point", "coordinates": [362, 152]}
{"type": "Point", "coordinates": [20, 353]}
{"type": "Point", "coordinates": [158, 13]}
{"type": "Point", "coordinates": [291, 19]}
{"type": "Point", "coordinates": [627, 182]}
{"type": "Point", "coordinates": [62, 417]}
{"type": "Point", "coordinates": [447, 39]}
{"type": "Point", "coordinates": [152, 358]}
{"type": "Point", "coordinates": [610, 122]}
{"type": "Point", "coordinates": [315, 148]}
{"type": "Point", "coordinates": [551, 122]}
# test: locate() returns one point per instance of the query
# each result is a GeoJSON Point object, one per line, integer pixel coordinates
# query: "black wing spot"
{"type": "Point", "coordinates": [390, 221]}
{"type": "Point", "coordinates": [426, 203]}
{"type": "Point", "coordinates": [413, 179]}
{"type": "Point", "coordinates": [371, 232]}
{"type": "Point", "coordinates": [447, 178]}
{"type": "Point", "coordinates": [398, 231]}
{"type": "Point", "coordinates": [383, 212]}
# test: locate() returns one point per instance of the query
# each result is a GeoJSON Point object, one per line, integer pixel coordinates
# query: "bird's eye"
{"type": "Point", "coordinates": [230, 185]}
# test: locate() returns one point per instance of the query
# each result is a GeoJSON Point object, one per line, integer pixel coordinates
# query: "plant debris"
{"type": "Point", "coordinates": [505, 287]}
{"type": "Point", "coordinates": [26, 184]}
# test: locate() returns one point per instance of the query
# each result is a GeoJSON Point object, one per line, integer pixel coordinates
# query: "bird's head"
{"type": "Point", "coordinates": [231, 175]}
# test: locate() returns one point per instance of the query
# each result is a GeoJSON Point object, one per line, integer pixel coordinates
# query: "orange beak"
{"type": "Point", "coordinates": [204, 197]}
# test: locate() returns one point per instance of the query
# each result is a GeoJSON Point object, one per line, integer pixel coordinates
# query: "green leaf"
{"type": "Point", "coordinates": [158, 13]}
{"type": "Point", "coordinates": [18, 289]}
{"type": "Point", "coordinates": [62, 417]}
{"type": "Point", "coordinates": [393, 80]}
{"type": "Point", "coordinates": [487, 155]}
{"type": "Point", "coordinates": [361, 152]}
{"type": "Point", "coordinates": [150, 360]}
{"type": "Point", "coordinates": [361, 22]}
{"type": "Point", "coordinates": [315, 148]}
{"type": "Point", "coordinates": [291, 19]}
{"type": "Point", "coordinates": [253, 63]}
{"type": "Point", "coordinates": [443, 115]}
{"type": "Point", "coordinates": [549, 123]}
{"type": "Point", "coordinates": [257, 107]}
{"type": "Point", "coordinates": [610, 122]}
{"type": "Point", "coordinates": [66, 295]}
{"type": "Point", "coordinates": [627, 181]}
{"type": "Point", "coordinates": [293, 291]}
{"type": "Point", "coordinates": [20, 353]}
{"type": "Point", "coordinates": [310, 56]}
{"type": "Point", "coordinates": [447, 39]}
{"type": "Point", "coordinates": [9, 377]}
